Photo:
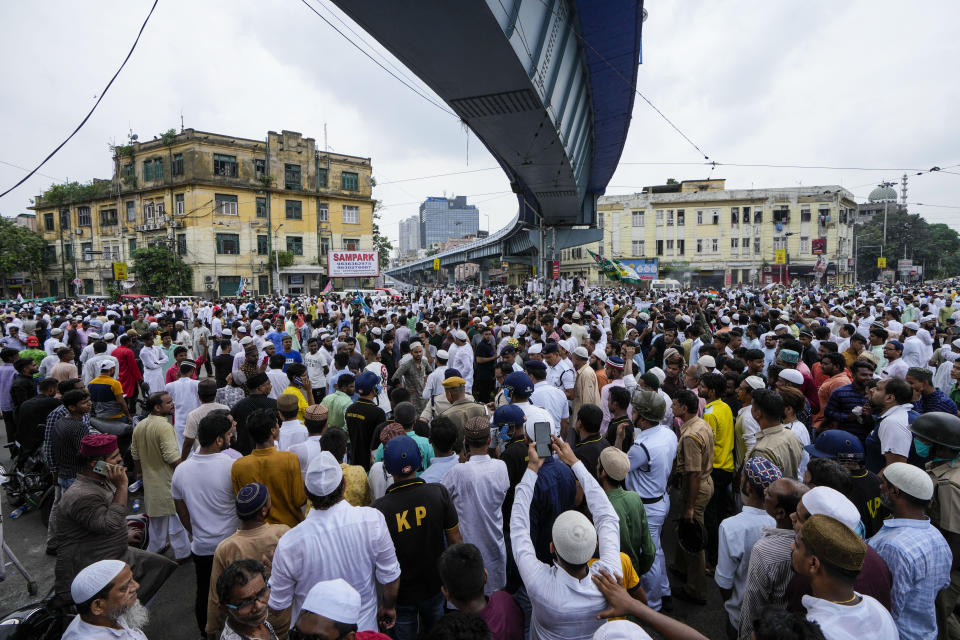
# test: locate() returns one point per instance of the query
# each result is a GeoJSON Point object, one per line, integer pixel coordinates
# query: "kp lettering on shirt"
{"type": "Point", "coordinates": [403, 521]}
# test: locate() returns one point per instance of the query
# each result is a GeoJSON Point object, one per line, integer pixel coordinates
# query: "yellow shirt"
{"type": "Point", "coordinates": [301, 401]}
{"type": "Point", "coordinates": [720, 418]}
{"type": "Point", "coordinates": [630, 577]}
{"type": "Point", "coordinates": [280, 472]}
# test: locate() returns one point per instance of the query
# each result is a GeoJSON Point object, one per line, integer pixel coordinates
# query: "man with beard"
{"type": "Point", "coordinates": [106, 596]}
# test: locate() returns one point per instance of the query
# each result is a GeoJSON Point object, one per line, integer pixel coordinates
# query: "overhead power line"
{"type": "Point", "coordinates": [92, 109]}
{"type": "Point", "coordinates": [438, 175]}
{"type": "Point", "coordinates": [378, 63]}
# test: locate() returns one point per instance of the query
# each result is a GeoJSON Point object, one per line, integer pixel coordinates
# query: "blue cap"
{"type": "Point", "coordinates": [450, 372]}
{"type": "Point", "coordinates": [836, 444]}
{"type": "Point", "coordinates": [551, 347]}
{"type": "Point", "coordinates": [535, 364]}
{"type": "Point", "coordinates": [508, 414]}
{"type": "Point", "coordinates": [366, 382]}
{"type": "Point", "coordinates": [519, 382]}
{"type": "Point", "coordinates": [401, 456]}
{"type": "Point", "coordinates": [896, 344]}
{"type": "Point", "coordinates": [615, 361]}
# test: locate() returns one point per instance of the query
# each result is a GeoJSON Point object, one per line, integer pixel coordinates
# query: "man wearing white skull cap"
{"type": "Point", "coordinates": [106, 597]}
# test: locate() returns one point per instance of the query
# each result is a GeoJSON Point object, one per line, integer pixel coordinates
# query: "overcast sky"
{"type": "Point", "coordinates": [867, 84]}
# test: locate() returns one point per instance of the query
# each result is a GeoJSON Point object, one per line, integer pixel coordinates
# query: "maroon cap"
{"type": "Point", "coordinates": [97, 445]}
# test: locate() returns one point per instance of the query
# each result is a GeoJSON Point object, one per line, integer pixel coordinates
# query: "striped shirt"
{"type": "Point", "coordinates": [66, 436]}
{"type": "Point", "coordinates": [48, 440]}
{"type": "Point", "coordinates": [767, 577]}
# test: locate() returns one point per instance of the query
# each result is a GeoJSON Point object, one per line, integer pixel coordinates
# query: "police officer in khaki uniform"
{"type": "Point", "coordinates": [693, 469]}
{"type": "Point", "coordinates": [437, 404]}
{"type": "Point", "coordinates": [461, 408]}
{"type": "Point", "coordinates": [937, 435]}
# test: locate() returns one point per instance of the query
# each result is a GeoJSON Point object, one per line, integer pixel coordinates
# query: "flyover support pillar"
{"type": "Point", "coordinates": [484, 273]}
{"type": "Point", "coordinates": [452, 276]}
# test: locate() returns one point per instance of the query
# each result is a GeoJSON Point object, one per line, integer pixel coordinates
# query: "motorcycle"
{"type": "Point", "coordinates": [29, 485]}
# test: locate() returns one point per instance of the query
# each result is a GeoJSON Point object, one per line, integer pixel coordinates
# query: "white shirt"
{"type": "Point", "coordinates": [564, 608]}
{"type": "Point", "coordinates": [549, 397]}
{"type": "Point", "coordinates": [379, 480]}
{"type": "Point", "coordinates": [913, 350]}
{"type": "Point", "coordinates": [278, 382]}
{"type": "Point", "coordinates": [439, 467]}
{"type": "Point", "coordinates": [382, 399]}
{"type": "Point", "coordinates": [851, 622]}
{"type": "Point", "coordinates": [203, 483]}
{"type": "Point", "coordinates": [477, 488]}
{"type": "Point", "coordinates": [559, 377]}
{"type": "Point", "coordinates": [750, 428]}
{"type": "Point", "coordinates": [92, 367]}
{"type": "Point", "coordinates": [185, 399]}
{"type": "Point", "coordinates": [343, 541]}
{"type": "Point", "coordinates": [153, 359]}
{"type": "Point", "coordinates": [894, 431]}
{"type": "Point", "coordinates": [736, 538]}
{"type": "Point", "coordinates": [462, 361]}
{"type": "Point", "coordinates": [315, 363]}
{"type": "Point", "coordinates": [433, 386]}
{"type": "Point", "coordinates": [80, 630]}
{"type": "Point", "coordinates": [47, 364]}
{"type": "Point", "coordinates": [800, 430]}
{"type": "Point", "coordinates": [306, 451]}
{"type": "Point", "coordinates": [292, 432]}
{"type": "Point", "coordinates": [651, 461]}
{"type": "Point", "coordinates": [535, 414]}
{"type": "Point", "coordinates": [896, 368]}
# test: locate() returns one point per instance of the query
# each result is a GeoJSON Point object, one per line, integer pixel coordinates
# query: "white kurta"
{"type": "Point", "coordinates": [153, 359]}
{"type": "Point", "coordinates": [478, 488]}
{"type": "Point", "coordinates": [185, 399]}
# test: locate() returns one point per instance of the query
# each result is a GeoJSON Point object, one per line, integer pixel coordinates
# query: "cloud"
{"type": "Point", "coordinates": [819, 83]}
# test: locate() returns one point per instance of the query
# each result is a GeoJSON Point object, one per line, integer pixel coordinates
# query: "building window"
{"type": "Point", "coordinates": [351, 215]}
{"type": "Point", "coordinates": [734, 245]}
{"type": "Point", "coordinates": [716, 245]}
{"type": "Point", "coordinates": [226, 204]}
{"type": "Point", "coordinates": [261, 207]}
{"type": "Point", "coordinates": [349, 181]}
{"type": "Point", "coordinates": [85, 250]}
{"type": "Point", "coordinates": [756, 247]}
{"type": "Point", "coordinates": [131, 211]}
{"type": "Point", "coordinates": [758, 216]}
{"type": "Point", "coordinates": [637, 217]}
{"type": "Point", "coordinates": [128, 172]}
{"type": "Point", "coordinates": [804, 215]}
{"type": "Point", "coordinates": [291, 176]}
{"type": "Point", "coordinates": [49, 254]}
{"type": "Point", "coordinates": [179, 207]}
{"type": "Point", "coordinates": [176, 165]}
{"type": "Point", "coordinates": [263, 284]}
{"type": "Point", "coordinates": [637, 247]}
{"type": "Point", "coordinates": [322, 177]}
{"type": "Point", "coordinates": [48, 222]}
{"type": "Point", "coordinates": [148, 170]}
{"type": "Point", "coordinates": [669, 217]}
{"type": "Point", "coordinates": [54, 288]}
{"type": "Point", "coordinates": [148, 215]}
{"type": "Point", "coordinates": [779, 242]}
{"type": "Point", "coordinates": [324, 247]}
{"type": "Point", "coordinates": [83, 217]}
{"type": "Point", "coordinates": [181, 244]}
{"type": "Point", "coordinates": [699, 245]}
{"type": "Point", "coordinates": [323, 212]}
{"type": "Point", "coordinates": [351, 244]}
{"type": "Point", "coordinates": [295, 245]}
{"type": "Point", "coordinates": [659, 247]}
{"type": "Point", "coordinates": [228, 244]}
{"type": "Point", "coordinates": [263, 245]}
{"type": "Point", "coordinates": [804, 245]}
{"type": "Point", "coordinates": [64, 219]}
{"type": "Point", "coordinates": [259, 168]}
{"type": "Point", "coordinates": [68, 251]}
{"type": "Point", "coordinates": [88, 286]}
{"type": "Point", "coordinates": [669, 245]}
{"type": "Point", "coordinates": [746, 243]}
{"type": "Point", "coordinates": [131, 246]}
{"type": "Point", "coordinates": [108, 217]}
{"type": "Point", "coordinates": [681, 246]}
{"type": "Point", "coordinates": [224, 165]}
{"type": "Point", "coordinates": [681, 215]}
{"type": "Point", "coordinates": [294, 210]}
{"type": "Point", "coordinates": [734, 216]}
{"type": "Point", "coordinates": [715, 216]}
{"type": "Point", "coordinates": [699, 217]}
{"type": "Point", "coordinates": [659, 217]}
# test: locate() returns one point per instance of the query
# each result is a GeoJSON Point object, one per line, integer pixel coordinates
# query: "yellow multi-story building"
{"type": "Point", "coordinates": [703, 234]}
{"type": "Point", "coordinates": [225, 204]}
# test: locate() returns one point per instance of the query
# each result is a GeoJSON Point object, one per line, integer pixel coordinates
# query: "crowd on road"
{"type": "Point", "coordinates": [500, 463]}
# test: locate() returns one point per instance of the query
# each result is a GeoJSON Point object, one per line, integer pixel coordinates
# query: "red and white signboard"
{"type": "Point", "coordinates": [353, 264]}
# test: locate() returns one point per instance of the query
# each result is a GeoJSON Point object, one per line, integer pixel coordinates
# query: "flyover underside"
{"type": "Point", "coordinates": [461, 50]}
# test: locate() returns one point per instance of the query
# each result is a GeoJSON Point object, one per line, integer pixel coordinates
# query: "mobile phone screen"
{"type": "Point", "coordinates": [541, 431]}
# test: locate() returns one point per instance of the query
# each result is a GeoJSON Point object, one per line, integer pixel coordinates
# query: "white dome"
{"type": "Point", "coordinates": [883, 194]}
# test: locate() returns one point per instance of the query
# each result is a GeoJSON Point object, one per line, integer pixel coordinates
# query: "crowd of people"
{"type": "Point", "coordinates": [504, 463]}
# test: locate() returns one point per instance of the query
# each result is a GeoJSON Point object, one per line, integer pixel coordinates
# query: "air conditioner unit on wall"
{"type": "Point", "coordinates": [208, 279]}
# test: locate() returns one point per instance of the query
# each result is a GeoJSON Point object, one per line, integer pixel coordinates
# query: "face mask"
{"type": "Point", "coordinates": [506, 394]}
{"type": "Point", "coordinates": [504, 430]}
{"type": "Point", "coordinates": [922, 448]}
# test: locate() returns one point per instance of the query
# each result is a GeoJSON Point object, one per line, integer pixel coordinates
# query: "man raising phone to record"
{"type": "Point", "coordinates": [91, 523]}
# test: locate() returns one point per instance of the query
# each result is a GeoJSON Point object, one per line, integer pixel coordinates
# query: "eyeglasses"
{"type": "Point", "coordinates": [263, 593]}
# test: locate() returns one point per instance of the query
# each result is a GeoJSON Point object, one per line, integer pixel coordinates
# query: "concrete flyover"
{"type": "Point", "coordinates": [548, 87]}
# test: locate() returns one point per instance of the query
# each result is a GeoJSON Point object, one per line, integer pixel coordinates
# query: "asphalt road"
{"type": "Point", "coordinates": [172, 609]}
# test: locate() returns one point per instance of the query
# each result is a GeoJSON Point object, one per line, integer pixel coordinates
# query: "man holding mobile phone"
{"type": "Point", "coordinates": [91, 522]}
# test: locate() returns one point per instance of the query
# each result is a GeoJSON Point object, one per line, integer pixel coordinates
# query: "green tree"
{"type": "Point", "coordinates": [935, 246]}
{"type": "Point", "coordinates": [20, 250]}
{"type": "Point", "coordinates": [161, 271]}
{"type": "Point", "coordinates": [380, 242]}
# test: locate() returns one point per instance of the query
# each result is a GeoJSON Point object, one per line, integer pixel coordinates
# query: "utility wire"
{"type": "Point", "coordinates": [92, 109]}
{"type": "Point", "coordinates": [378, 63]}
{"type": "Point", "coordinates": [438, 175]}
